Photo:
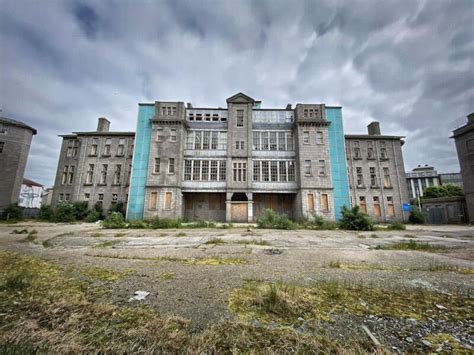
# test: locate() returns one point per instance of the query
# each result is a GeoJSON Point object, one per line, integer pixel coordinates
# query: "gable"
{"type": "Point", "coordinates": [240, 98]}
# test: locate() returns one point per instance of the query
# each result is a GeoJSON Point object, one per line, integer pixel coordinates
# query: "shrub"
{"type": "Point", "coordinates": [443, 191]}
{"type": "Point", "coordinates": [114, 220]}
{"type": "Point", "coordinates": [397, 226]}
{"type": "Point", "coordinates": [139, 224]}
{"type": "Point", "coordinates": [354, 219]}
{"type": "Point", "coordinates": [271, 219]}
{"type": "Point", "coordinates": [46, 213]}
{"type": "Point", "coordinates": [117, 207]}
{"type": "Point", "coordinates": [81, 210]}
{"type": "Point", "coordinates": [416, 217]}
{"type": "Point", "coordinates": [92, 217]}
{"type": "Point", "coordinates": [65, 212]}
{"type": "Point", "coordinates": [316, 222]}
{"type": "Point", "coordinates": [98, 208]}
{"type": "Point", "coordinates": [202, 224]}
{"type": "Point", "coordinates": [13, 212]}
{"type": "Point", "coordinates": [164, 223]}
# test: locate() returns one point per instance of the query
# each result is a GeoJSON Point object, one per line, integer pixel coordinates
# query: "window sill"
{"type": "Point", "coordinates": [88, 184]}
{"type": "Point", "coordinates": [120, 155]}
{"type": "Point", "coordinates": [371, 158]}
{"type": "Point", "coordinates": [383, 159]}
{"type": "Point", "coordinates": [388, 187]}
{"type": "Point", "coordinates": [105, 155]}
{"type": "Point", "coordinates": [92, 155]}
{"type": "Point", "coordinates": [155, 173]}
{"type": "Point", "coordinates": [361, 187]}
{"type": "Point", "coordinates": [375, 187]}
{"type": "Point", "coordinates": [116, 184]}
{"type": "Point", "coordinates": [101, 184]}
{"type": "Point", "coordinates": [357, 158]}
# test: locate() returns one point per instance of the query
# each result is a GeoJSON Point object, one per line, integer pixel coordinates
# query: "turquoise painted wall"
{"type": "Point", "coordinates": [136, 194]}
{"type": "Point", "coordinates": [338, 159]}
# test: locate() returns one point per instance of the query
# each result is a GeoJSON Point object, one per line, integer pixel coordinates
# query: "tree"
{"type": "Point", "coordinates": [443, 191]}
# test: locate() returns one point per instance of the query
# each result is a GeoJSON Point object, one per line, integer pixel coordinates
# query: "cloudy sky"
{"type": "Point", "coordinates": [407, 64]}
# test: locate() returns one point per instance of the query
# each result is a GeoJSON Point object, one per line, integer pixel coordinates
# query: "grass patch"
{"type": "Point", "coordinates": [101, 274]}
{"type": "Point", "coordinates": [167, 276]}
{"type": "Point", "coordinates": [412, 245]}
{"type": "Point", "coordinates": [107, 244]}
{"type": "Point", "coordinates": [284, 303]}
{"type": "Point", "coordinates": [20, 231]}
{"type": "Point", "coordinates": [163, 234]}
{"type": "Point", "coordinates": [96, 235]}
{"type": "Point", "coordinates": [65, 234]}
{"type": "Point", "coordinates": [361, 236]}
{"type": "Point", "coordinates": [409, 236]}
{"type": "Point", "coordinates": [447, 343]}
{"type": "Point", "coordinates": [214, 261]}
{"type": "Point", "coordinates": [30, 238]}
{"type": "Point", "coordinates": [252, 241]}
{"type": "Point", "coordinates": [374, 235]}
{"type": "Point", "coordinates": [180, 234]}
{"type": "Point", "coordinates": [336, 264]}
{"type": "Point", "coordinates": [215, 241]}
{"type": "Point", "coordinates": [120, 235]}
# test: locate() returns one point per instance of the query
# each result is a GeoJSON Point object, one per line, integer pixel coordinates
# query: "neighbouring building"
{"type": "Point", "coordinates": [377, 174]}
{"type": "Point", "coordinates": [421, 178]}
{"type": "Point", "coordinates": [229, 164]}
{"type": "Point", "coordinates": [451, 179]}
{"type": "Point", "coordinates": [15, 141]}
{"type": "Point", "coordinates": [94, 167]}
{"type": "Point", "coordinates": [47, 197]}
{"type": "Point", "coordinates": [31, 194]}
{"type": "Point", "coordinates": [464, 139]}
{"type": "Point", "coordinates": [445, 210]}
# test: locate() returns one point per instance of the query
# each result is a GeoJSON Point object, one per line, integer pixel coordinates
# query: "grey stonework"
{"type": "Point", "coordinates": [15, 141]}
{"type": "Point", "coordinates": [79, 188]}
{"type": "Point", "coordinates": [464, 138]}
{"type": "Point", "coordinates": [395, 187]}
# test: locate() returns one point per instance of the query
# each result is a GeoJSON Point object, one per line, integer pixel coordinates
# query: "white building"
{"type": "Point", "coordinates": [30, 194]}
{"type": "Point", "coordinates": [420, 178]}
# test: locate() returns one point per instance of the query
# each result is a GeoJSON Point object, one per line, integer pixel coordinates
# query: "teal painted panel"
{"type": "Point", "coordinates": [136, 194]}
{"type": "Point", "coordinates": [338, 160]}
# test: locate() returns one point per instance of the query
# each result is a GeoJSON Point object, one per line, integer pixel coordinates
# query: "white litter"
{"type": "Point", "coordinates": [139, 296]}
{"type": "Point", "coordinates": [440, 306]}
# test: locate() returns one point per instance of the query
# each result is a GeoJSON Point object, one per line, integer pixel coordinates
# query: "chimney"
{"type": "Point", "coordinates": [103, 125]}
{"type": "Point", "coordinates": [374, 128]}
{"type": "Point", "coordinates": [288, 107]}
{"type": "Point", "coordinates": [189, 105]}
{"type": "Point", "coordinates": [470, 118]}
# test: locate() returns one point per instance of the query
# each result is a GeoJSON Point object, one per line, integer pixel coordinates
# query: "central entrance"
{"type": "Point", "coordinates": [239, 207]}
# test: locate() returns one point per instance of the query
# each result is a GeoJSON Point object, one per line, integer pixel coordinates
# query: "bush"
{"type": "Point", "coordinates": [416, 217]}
{"type": "Point", "coordinates": [137, 224]}
{"type": "Point", "coordinates": [443, 191]}
{"type": "Point", "coordinates": [354, 219]}
{"type": "Point", "coordinates": [92, 217]}
{"type": "Point", "coordinates": [13, 212]}
{"type": "Point", "coordinates": [98, 208]}
{"type": "Point", "coordinates": [272, 220]}
{"type": "Point", "coordinates": [46, 213]}
{"type": "Point", "coordinates": [164, 223]}
{"type": "Point", "coordinates": [65, 212]}
{"type": "Point", "coordinates": [114, 220]}
{"type": "Point", "coordinates": [117, 207]}
{"type": "Point", "coordinates": [316, 222]}
{"type": "Point", "coordinates": [81, 210]}
{"type": "Point", "coordinates": [202, 224]}
{"type": "Point", "coordinates": [397, 226]}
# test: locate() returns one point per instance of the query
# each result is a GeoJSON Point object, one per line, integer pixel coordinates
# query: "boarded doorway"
{"type": "Point", "coordinates": [239, 207]}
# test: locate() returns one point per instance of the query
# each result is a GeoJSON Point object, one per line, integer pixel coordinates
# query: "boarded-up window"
{"type": "Point", "coordinates": [377, 211]}
{"type": "Point", "coordinates": [153, 200]}
{"type": "Point", "coordinates": [362, 204]}
{"type": "Point", "coordinates": [324, 202]}
{"type": "Point", "coordinates": [390, 206]}
{"type": "Point", "coordinates": [188, 201]}
{"type": "Point", "coordinates": [310, 198]}
{"type": "Point", "coordinates": [168, 197]}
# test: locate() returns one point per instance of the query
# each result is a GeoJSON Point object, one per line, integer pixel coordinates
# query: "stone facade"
{"type": "Point", "coordinates": [94, 167]}
{"type": "Point", "coordinates": [15, 141]}
{"type": "Point", "coordinates": [377, 175]}
{"type": "Point", "coordinates": [464, 138]}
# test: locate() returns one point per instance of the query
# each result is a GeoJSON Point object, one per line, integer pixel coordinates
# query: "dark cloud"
{"type": "Point", "coordinates": [407, 64]}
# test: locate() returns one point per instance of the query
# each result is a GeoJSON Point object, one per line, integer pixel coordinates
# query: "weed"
{"type": "Point", "coordinates": [15, 281]}
{"type": "Point", "coordinates": [96, 235]}
{"type": "Point", "coordinates": [114, 220]}
{"type": "Point", "coordinates": [215, 241]}
{"type": "Point", "coordinates": [167, 275]}
{"type": "Point", "coordinates": [361, 236]}
{"type": "Point", "coordinates": [163, 234]}
{"type": "Point", "coordinates": [48, 243]}
{"type": "Point", "coordinates": [271, 220]}
{"type": "Point", "coordinates": [101, 274]}
{"type": "Point", "coordinates": [120, 235]}
{"type": "Point", "coordinates": [225, 226]}
{"type": "Point", "coordinates": [107, 244]}
{"type": "Point", "coordinates": [68, 233]}
{"type": "Point", "coordinates": [396, 226]}
{"type": "Point", "coordinates": [18, 231]}
{"type": "Point", "coordinates": [373, 235]}
{"type": "Point", "coordinates": [335, 264]}
{"type": "Point", "coordinates": [409, 236]}
{"type": "Point", "coordinates": [252, 241]}
{"type": "Point", "coordinates": [214, 261]}
{"type": "Point", "coordinates": [354, 219]}
{"type": "Point", "coordinates": [181, 234]}
{"type": "Point", "coordinates": [29, 239]}
{"type": "Point", "coordinates": [412, 245]}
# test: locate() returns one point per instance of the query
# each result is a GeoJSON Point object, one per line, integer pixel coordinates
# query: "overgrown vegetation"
{"type": "Point", "coordinates": [354, 219]}
{"type": "Point", "coordinates": [114, 220]}
{"type": "Point", "coordinates": [101, 274]}
{"type": "Point", "coordinates": [316, 222]}
{"type": "Point", "coordinates": [12, 213]}
{"type": "Point", "coordinates": [412, 245]}
{"type": "Point", "coordinates": [272, 220]}
{"type": "Point", "coordinates": [416, 217]}
{"type": "Point", "coordinates": [395, 225]}
{"type": "Point", "coordinates": [442, 191]}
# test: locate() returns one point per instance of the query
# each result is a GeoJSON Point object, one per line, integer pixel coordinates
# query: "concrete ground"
{"type": "Point", "coordinates": [200, 293]}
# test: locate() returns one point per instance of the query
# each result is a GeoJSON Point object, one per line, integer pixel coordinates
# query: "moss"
{"type": "Point", "coordinates": [446, 344]}
{"type": "Point", "coordinates": [167, 275]}
{"type": "Point", "coordinates": [283, 303]}
{"type": "Point", "coordinates": [101, 274]}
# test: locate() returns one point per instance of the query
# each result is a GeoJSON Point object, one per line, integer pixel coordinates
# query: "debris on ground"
{"type": "Point", "coordinates": [139, 296]}
{"type": "Point", "coordinates": [272, 251]}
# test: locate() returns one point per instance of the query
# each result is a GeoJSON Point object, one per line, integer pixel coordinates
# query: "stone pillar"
{"type": "Point", "coordinates": [250, 211]}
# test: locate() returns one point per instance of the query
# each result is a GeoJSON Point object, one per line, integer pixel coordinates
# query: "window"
{"type": "Point", "coordinates": [205, 170]}
{"type": "Point", "coordinates": [94, 149]}
{"type": "Point", "coordinates": [291, 171]}
{"type": "Point", "coordinates": [307, 167]}
{"type": "Point", "coordinates": [281, 141]}
{"type": "Point", "coordinates": [377, 211]}
{"type": "Point", "coordinates": [214, 139]}
{"type": "Point", "coordinates": [70, 175]}
{"type": "Point", "coordinates": [383, 151]}
{"type": "Point", "coordinates": [305, 113]}
{"type": "Point", "coordinates": [168, 110]}
{"type": "Point", "coordinates": [208, 116]}
{"type": "Point", "coordinates": [64, 177]}
{"type": "Point", "coordinates": [2, 145]}
{"type": "Point", "coordinates": [362, 204]}
{"type": "Point", "coordinates": [163, 110]}
{"type": "Point", "coordinates": [289, 141]}
{"type": "Point", "coordinates": [103, 174]}
{"type": "Point", "coordinates": [240, 118]}
{"type": "Point", "coordinates": [171, 166]}
{"type": "Point", "coordinates": [222, 141]}
{"type": "Point", "coordinates": [310, 199]}
{"type": "Point", "coordinates": [100, 197]}
{"type": "Point", "coordinates": [114, 198]}
{"type": "Point", "coordinates": [373, 177]}
{"type": "Point", "coordinates": [274, 170]}
{"type": "Point", "coordinates": [390, 206]}
{"type": "Point", "coordinates": [159, 135]}
{"type": "Point", "coordinates": [61, 197]}
{"type": "Point", "coordinates": [168, 198]}
{"type": "Point", "coordinates": [187, 169]}
{"type": "Point", "coordinates": [197, 140]}
{"type": "Point", "coordinates": [322, 168]}
{"type": "Point", "coordinates": [196, 170]}
{"type": "Point", "coordinates": [90, 174]}
{"type": "Point", "coordinates": [273, 140]}
{"type": "Point", "coordinates": [239, 145]}
{"type": "Point", "coordinates": [67, 197]}
{"type": "Point", "coordinates": [360, 177]}
{"type": "Point", "coordinates": [117, 174]}
{"type": "Point", "coordinates": [121, 147]}
{"type": "Point", "coordinates": [319, 137]}
{"type": "Point", "coordinates": [370, 150]}
{"type": "Point", "coordinates": [256, 170]}
{"type": "Point", "coordinates": [387, 183]}
{"type": "Point", "coordinates": [153, 201]}
{"type": "Point", "coordinates": [108, 143]}
{"type": "Point", "coordinates": [87, 196]}
{"type": "Point", "coordinates": [157, 165]}
{"type": "Point", "coordinates": [306, 137]}
{"type": "Point", "coordinates": [282, 171]}
{"type": "Point", "coordinates": [265, 171]}
{"type": "Point", "coordinates": [324, 202]}
{"type": "Point", "coordinates": [190, 139]}
{"type": "Point", "coordinates": [174, 110]}
{"type": "Point", "coordinates": [239, 171]}
{"type": "Point", "coordinates": [222, 170]}
{"type": "Point", "coordinates": [214, 170]}
{"type": "Point", "coordinates": [69, 148]}
{"type": "Point", "coordinates": [256, 140]}
{"type": "Point", "coordinates": [206, 139]}
{"type": "Point", "coordinates": [356, 150]}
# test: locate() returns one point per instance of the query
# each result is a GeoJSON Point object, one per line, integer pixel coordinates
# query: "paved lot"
{"type": "Point", "coordinates": [160, 259]}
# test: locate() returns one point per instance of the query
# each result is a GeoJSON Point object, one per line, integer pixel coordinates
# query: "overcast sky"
{"type": "Point", "coordinates": [407, 64]}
